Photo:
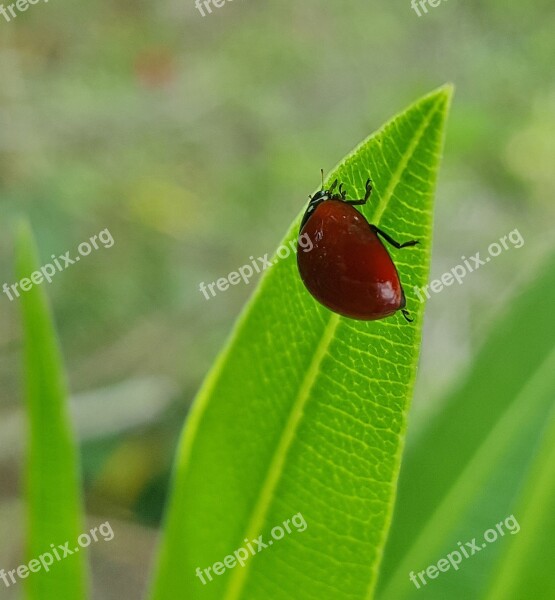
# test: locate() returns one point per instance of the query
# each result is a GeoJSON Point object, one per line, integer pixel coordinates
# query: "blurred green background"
{"type": "Point", "coordinates": [196, 141]}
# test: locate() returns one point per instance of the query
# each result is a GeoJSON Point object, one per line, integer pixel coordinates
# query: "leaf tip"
{"type": "Point", "coordinates": [24, 243]}
{"type": "Point", "coordinates": [447, 90]}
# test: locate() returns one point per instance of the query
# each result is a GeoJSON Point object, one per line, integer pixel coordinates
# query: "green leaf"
{"type": "Point", "coordinates": [462, 474]}
{"type": "Point", "coordinates": [305, 411]}
{"type": "Point", "coordinates": [52, 480]}
{"type": "Point", "coordinates": [525, 570]}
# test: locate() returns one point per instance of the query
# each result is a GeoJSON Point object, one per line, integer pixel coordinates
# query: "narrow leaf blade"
{"type": "Point", "coordinates": [304, 412]}
{"type": "Point", "coordinates": [462, 474]}
{"type": "Point", "coordinates": [54, 510]}
{"type": "Point", "coordinates": [525, 570]}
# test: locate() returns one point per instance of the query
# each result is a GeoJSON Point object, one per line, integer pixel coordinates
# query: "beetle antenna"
{"type": "Point", "coordinates": [322, 173]}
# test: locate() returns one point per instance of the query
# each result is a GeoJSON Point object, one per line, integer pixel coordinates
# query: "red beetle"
{"type": "Point", "coordinates": [348, 269]}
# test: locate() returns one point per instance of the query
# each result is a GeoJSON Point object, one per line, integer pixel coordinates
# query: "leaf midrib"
{"type": "Point", "coordinates": [239, 577]}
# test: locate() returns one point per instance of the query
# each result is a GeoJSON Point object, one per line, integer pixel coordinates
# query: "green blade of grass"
{"type": "Point", "coordinates": [526, 568]}
{"type": "Point", "coordinates": [482, 496]}
{"type": "Point", "coordinates": [54, 508]}
{"type": "Point", "coordinates": [463, 473]}
{"type": "Point", "coordinates": [305, 411]}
